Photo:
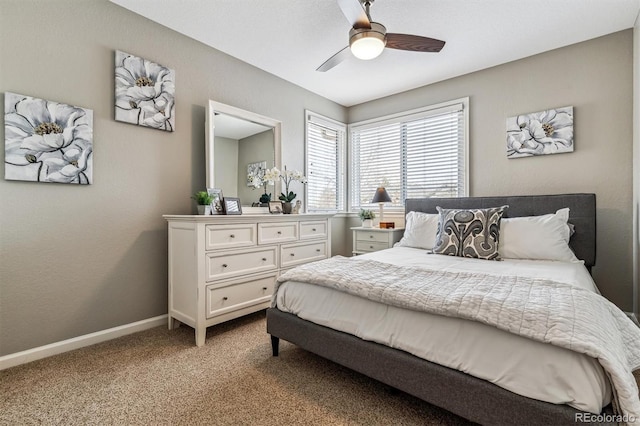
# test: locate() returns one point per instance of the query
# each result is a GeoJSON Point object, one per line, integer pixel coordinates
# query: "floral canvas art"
{"type": "Point", "coordinates": [540, 133]}
{"type": "Point", "coordinates": [47, 141]}
{"type": "Point", "coordinates": [255, 172]}
{"type": "Point", "coordinates": [144, 92]}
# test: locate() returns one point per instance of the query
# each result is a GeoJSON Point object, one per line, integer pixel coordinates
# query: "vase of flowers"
{"type": "Point", "coordinates": [287, 177]}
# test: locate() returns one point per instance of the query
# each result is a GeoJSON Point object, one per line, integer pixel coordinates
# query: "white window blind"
{"type": "Point", "coordinates": [413, 155]}
{"type": "Point", "coordinates": [325, 144]}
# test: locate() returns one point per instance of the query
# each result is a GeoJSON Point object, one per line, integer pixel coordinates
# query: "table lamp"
{"type": "Point", "coordinates": [381, 196]}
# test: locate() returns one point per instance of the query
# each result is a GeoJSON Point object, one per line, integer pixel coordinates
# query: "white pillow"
{"type": "Point", "coordinates": [420, 230]}
{"type": "Point", "coordinates": [543, 237]}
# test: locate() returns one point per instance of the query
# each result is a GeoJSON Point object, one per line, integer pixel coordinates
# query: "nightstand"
{"type": "Point", "coordinates": [367, 240]}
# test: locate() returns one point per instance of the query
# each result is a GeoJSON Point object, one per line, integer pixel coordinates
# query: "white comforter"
{"type": "Point", "coordinates": [498, 303]}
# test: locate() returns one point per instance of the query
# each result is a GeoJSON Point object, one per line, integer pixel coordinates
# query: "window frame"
{"type": "Point", "coordinates": [407, 115]}
{"type": "Point", "coordinates": [342, 189]}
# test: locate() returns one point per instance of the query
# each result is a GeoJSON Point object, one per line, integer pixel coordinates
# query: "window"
{"type": "Point", "coordinates": [325, 147]}
{"type": "Point", "coordinates": [416, 154]}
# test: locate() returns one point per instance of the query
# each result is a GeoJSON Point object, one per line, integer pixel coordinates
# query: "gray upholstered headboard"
{"type": "Point", "coordinates": [582, 213]}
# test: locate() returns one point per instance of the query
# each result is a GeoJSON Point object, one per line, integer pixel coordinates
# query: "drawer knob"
{"type": "Point", "coordinates": [225, 298]}
{"type": "Point", "coordinates": [279, 232]}
{"type": "Point", "coordinates": [370, 236]}
{"type": "Point", "coordinates": [370, 247]}
{"type": "Point", "coordinates": [318, 250]}
{"type": "Point", "coordinates": [224, 265]}
{"type": "Point", "coordinates": [313, 229]}
{"type": "Point", "coordinates": [264, 259]}
{"type": "Point", "coordinates": [264, 288]}
{"type": "Point", "coordinates": [293, 254]}
{"type": "Point", "coordinates": [232, 236]}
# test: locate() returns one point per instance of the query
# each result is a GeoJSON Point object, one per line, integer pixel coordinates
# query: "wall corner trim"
{"type": "Point", "coordinates": [56, 348]}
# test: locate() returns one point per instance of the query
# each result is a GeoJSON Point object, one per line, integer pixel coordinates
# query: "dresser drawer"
{"type": "Point", "coordinates": [380, 237]}
{"type": "Point", "coordinates": [230, 236]}
{"type": "Point", "coordinates": [316, 229]}
{"type": "Point", "coordinates": [277, 232]}
{"type": "Point", "coordinates": [238, 295]}
{"type": "Point", "coordinates": [367, 246]}
{"type": "Point", "coordinates": [226, 264]}
{"type": "Point", "coordinates": [295, 254]}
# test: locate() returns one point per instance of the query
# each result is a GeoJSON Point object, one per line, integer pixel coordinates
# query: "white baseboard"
{"type": "Point", "coordinates": [34, 354]}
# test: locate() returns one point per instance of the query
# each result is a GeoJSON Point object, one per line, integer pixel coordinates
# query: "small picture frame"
{"type": "Point", "coordinates": [275, 207]}
{"type": "Point", "coordinates": [232, 205]}
{"type": "Point", "coordinates": [216, 204]}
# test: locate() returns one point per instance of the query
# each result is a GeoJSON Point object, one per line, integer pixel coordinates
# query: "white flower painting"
{"type": "Point", "coordinates": [540, 133]}
{"type": "Point", "coordinates": [47, 141]}
{"type": "Point", "coordinates": [255, 173]}
{"type": "Point", "coordinates": [144, 92]}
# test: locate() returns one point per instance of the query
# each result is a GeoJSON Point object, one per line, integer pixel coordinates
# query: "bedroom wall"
{"type": "Point", "coordinates": [636, 165]}
{"type": "Point", "coordinates": [75, 260]}
{"type": "Point", "coordinates": [227, 175]}
{"type": "Point", "coordinates": [251, 150]}
{"type": "Point", "coordinates": [596, 78]}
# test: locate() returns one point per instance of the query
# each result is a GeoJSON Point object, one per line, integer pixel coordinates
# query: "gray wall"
{"type": "Point", "coordinates": [225, 173]}
{"type": "Point", "coordinates": [253, 149]}
{"type": "Point", "coordinates": [636, 164]}
{"type": "Point", "coordinates": [231, 159]}
{"type": "Point", "coordinates": [596, 78]}
{"type": "Point", "coordinates": [75, 260]}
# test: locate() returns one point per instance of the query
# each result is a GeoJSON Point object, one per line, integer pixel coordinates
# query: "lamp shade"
{"type": "Point", "coordinates": [381, 196]}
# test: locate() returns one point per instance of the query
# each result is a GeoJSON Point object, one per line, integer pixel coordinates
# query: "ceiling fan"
{"type": "Point", "coordinates": [367, 39]}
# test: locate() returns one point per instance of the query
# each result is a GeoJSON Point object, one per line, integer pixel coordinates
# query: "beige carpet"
{"type": "Point", "coordinates": [159, 377]}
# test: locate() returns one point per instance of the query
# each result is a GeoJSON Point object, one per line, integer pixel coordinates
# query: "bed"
{"type": "Point", "coordinates": [479, 372]}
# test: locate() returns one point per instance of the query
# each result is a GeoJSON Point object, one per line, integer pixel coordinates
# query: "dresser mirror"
{"type": "Point", "coordinates": [239, 142]}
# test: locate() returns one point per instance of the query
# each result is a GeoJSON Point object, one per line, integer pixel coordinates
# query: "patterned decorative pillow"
{"type": "Point", "coordinates": [469, 233]}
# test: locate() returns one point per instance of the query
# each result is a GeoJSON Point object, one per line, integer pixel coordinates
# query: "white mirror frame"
{"type": "Point", "coordinates": [214, 107]}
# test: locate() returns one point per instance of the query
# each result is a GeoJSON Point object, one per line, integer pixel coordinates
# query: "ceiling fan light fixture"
{"type": "Point", "coordinates": [368, 43]}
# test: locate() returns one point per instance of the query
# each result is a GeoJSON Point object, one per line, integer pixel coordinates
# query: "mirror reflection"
{"type": "Point", "coordinates": [239, 144]}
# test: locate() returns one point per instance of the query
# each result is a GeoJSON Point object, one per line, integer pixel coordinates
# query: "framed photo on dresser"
{"type": "Point", "coordinates": [275, 207]}
{"type": "Point", "coordinates": [216, 203]}
{"type": "Point", "coordinates": [232, 205]}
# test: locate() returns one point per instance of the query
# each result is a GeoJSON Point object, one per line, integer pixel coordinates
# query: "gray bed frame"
{"type": "Point", "coordinates": [467, 396]}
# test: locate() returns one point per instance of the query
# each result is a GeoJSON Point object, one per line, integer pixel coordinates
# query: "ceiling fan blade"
{"type": "Point", "coordinates": [335, 60]}
{"type": "Point", "coordinates": [414, 43]}
{"type": "Point", "coordinates": [355, 14]}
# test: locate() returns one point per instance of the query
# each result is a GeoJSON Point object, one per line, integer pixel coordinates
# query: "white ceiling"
{"type": "Point", "coordinates": [291, 38]}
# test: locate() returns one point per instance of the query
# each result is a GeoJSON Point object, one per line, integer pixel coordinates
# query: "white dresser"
{"type": "Point", "coordinates": [223, 267]}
